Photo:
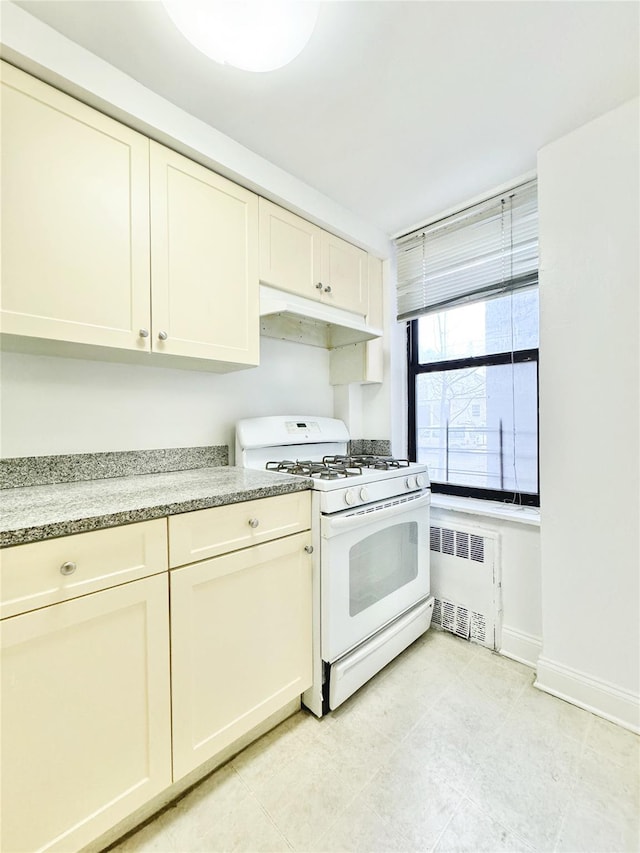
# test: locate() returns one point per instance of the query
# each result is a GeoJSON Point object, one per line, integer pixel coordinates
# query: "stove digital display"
{"type": "Point", "coordinates": [298, 427]}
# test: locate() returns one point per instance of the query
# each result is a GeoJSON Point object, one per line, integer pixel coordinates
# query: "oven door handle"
{"type": "Point", "coordinates": [332, 525]}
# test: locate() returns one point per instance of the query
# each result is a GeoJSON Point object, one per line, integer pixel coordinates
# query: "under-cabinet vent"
{"type": "Point", "coordinates": [465, 583]}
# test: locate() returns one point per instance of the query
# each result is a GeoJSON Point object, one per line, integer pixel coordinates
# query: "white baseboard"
{"type": "Point", "coordinates": [599, 697]}
{"type": "Point", "coordinates": [525, 648]}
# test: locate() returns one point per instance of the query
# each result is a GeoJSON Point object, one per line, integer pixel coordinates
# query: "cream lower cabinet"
{"type": "Point", "coordinates": [240, 644]}
{"type": "Point", "coordinates": [85, 715]}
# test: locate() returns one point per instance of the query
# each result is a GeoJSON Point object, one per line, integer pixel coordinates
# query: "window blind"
{"type": "Point", "coordinates": [481, 251]}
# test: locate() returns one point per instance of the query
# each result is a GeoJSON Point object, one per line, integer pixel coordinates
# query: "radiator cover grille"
{"type": "Point", "coordinates": [465, 583]}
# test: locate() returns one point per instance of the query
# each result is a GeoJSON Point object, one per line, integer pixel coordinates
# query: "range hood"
{"type": "Point", "coordinates": [294, 318]}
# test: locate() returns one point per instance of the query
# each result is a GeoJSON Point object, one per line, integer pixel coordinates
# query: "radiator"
{"type": "Point", "coordinates": [465, 582]}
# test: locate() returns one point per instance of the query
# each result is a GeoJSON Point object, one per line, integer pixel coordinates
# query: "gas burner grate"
{"type": "Point", "coordinates": [379, 463]}
{"type": "Point", "coordinates": [320, 470]}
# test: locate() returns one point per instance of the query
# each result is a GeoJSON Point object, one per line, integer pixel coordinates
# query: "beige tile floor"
{"type": "Point", "coordinates": [450, 748]}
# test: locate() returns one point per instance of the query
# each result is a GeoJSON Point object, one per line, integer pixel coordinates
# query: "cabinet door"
{"type": "Point", "coordinates": [344, 274]}
{"type": "Point", "coordinates": [289, 251]}
{"type": "Point", "coordinates": [240, 644]}
{"type": "Point", "coordinates": [204, 259]}
{"type": "Point", "coordinates": [85, 715]}
{"type": "Point", "coordinates": [75, 219]}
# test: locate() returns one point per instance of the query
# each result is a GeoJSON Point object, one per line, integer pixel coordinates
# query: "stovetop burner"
{"type": "Point", "coordinates": [325, 470]}
{"type": "Point", "coordinates": [379, 463]}
{"type": "Point", "coordinates": [337, 467]}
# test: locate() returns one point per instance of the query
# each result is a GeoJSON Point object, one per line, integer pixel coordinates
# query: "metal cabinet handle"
{"type": "Point", "coordinates": [68, 568]}
{"type": "Point", "coordinates": [144, 333]}
{"type": "Point", "coordinates": [308, 549]}
{"type": "Point", "coordinates": [327, 289]}
{"type": "Point", "coordinates": [319, 286]}
{"type": "Point", "coordinates": [162, 335]}
{"type": "Point", "coordinates": [253, 522]}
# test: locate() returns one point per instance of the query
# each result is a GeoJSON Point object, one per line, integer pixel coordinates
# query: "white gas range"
{"type": "Point", "coordinates": [370, 526]}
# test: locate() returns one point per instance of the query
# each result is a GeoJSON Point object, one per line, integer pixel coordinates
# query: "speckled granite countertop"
{"type": "Point", "coordinates": [34, 513]}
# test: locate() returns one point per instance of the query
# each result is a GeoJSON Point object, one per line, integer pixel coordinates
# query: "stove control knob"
{"type": "Point", "coordinates": [411, 482]}
{"type": "Point", "coordinates": [364, 494]}
{"type": "Point", "coordinates": [419, 481]}
{"type": "Point", "coordinates": [349, 497]}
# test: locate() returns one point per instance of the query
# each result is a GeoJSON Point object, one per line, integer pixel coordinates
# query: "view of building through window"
{"type": "Point", "coordinates": [476, 398]}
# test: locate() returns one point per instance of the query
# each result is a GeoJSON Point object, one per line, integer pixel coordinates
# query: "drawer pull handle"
{"type": "Point", "coordinates": [162, 335]}
{"type": "Point", "coordinates": [253, 522]}
{"type": "Point", "coordinates": [327, 289]}
{"type": "Point", "coordinates": [308, 549]}
{"type": "Point", "coordinates": [319, 286]}
{"type": "Point", "coordinates": [144, 333]}
{"type": "Point", "coordinates": [68, 568]}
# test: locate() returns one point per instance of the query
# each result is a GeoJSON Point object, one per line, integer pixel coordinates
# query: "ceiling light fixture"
{"type": "Point", "coordinates": [255, 35]}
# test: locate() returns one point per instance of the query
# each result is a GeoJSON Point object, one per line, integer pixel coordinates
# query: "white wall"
{"type": "Point", "coordinates": [519, 555]}
{"type": "Point", "coordinates": [64, 405]}
{"type": "Point", "coordinates": [589, 415]}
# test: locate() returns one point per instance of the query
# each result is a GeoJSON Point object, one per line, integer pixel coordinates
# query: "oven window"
{"type": "Point", "coordinates": [382, 563]}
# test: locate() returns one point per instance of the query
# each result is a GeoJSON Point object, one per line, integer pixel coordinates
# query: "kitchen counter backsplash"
{"type": "Point", "coordinates": [46, 470]}
{"type": "Point", "coordinates": [370, 446]}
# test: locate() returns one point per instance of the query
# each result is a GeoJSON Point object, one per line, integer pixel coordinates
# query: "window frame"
{"type": "Point", "coordinates": [415, 369]}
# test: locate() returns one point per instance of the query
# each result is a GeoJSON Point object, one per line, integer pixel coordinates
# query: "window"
{"type": "Point", "coordinates": [468, 286]}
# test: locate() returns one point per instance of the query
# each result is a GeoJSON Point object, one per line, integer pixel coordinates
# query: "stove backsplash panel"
{"type": "Point", "coordinates": [370, 446]}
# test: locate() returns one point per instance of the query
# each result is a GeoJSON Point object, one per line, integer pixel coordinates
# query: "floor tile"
{"type": "Point", "coordinates": [617, 744]}
{"type": "Point", "coordinates": [524, 789]}
{"type": "Point", "coordinates": [412, 802]}
{"type": "Point", "coordinates": [592, 830]}
{"type": "Point", "coordinates": [599, 778]}
{"type": "Point", "coordinates": [360, 830]}
{"type": "Point", "coordinates": [447, 747]}
{"type": "Point", "coordinates": [472, 829]}
{"type": "Point", "coordinates": [547, 713]}
{"type": "Point", "coordinates": [502, 684]}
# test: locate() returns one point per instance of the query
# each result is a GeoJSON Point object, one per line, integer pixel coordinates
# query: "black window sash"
{"type": "Point", "coordinates": [416, 368]}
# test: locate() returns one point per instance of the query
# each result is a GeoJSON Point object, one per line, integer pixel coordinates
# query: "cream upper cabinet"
{"type": "Point", "coordinates": [299, 257]}
{"type": "Point", "coordinates": [344, 274]}
{"type": "Point", "coordinates": [363, 362]}
{"type": "Point", "coordinates": [85, 715]}
{"type": "Point", "coordinates": [75, 220]}
{"type": "Point", "coordinates": [204, 262]}
{"type": "Point", "coordinates": [289, 251]}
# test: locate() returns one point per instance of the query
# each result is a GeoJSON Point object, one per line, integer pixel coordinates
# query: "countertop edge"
{"type": "Point", "coordinates": [38, 533]}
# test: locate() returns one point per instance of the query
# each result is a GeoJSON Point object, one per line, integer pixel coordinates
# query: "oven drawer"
{"type": "Point", "coordinates": [205, 533]}
{"type": "Point", "coordinates": [42, 573]}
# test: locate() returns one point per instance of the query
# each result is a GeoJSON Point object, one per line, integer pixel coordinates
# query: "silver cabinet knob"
{"type": "Point", "coordinates": [253, 522]}
{"type": "Point", "coordinates": [319, 285]}
{"type": "Point", "coordinates": [144, 333]}
{"type": "Point", "coordinates": [162, 335]}
{"type": "Point", "coordinates": [68, 568]}
{"type": "Point", "coordinates": [327, 289]}
{"type": "Point", "coordinates": [308, 549]}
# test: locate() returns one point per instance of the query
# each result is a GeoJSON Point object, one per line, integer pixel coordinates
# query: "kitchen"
{"type": "Point", "coordinates": [92, 406]}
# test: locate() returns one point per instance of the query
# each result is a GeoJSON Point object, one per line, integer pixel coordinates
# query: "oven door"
{"type": "Point", "coordinates": [374, 565]}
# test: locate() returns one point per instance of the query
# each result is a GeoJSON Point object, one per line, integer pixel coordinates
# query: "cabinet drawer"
{"type": "Point", "coordinates": [195, 536]}
{"type": "Point", "coordinates": [34, 576]}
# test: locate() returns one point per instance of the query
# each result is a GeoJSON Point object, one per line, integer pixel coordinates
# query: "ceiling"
{"type": "Point", "coordinates": [396, 110]}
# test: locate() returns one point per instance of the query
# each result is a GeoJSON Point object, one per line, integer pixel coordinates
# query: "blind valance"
{"type": "Point", "coordinates": [484, 250]}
